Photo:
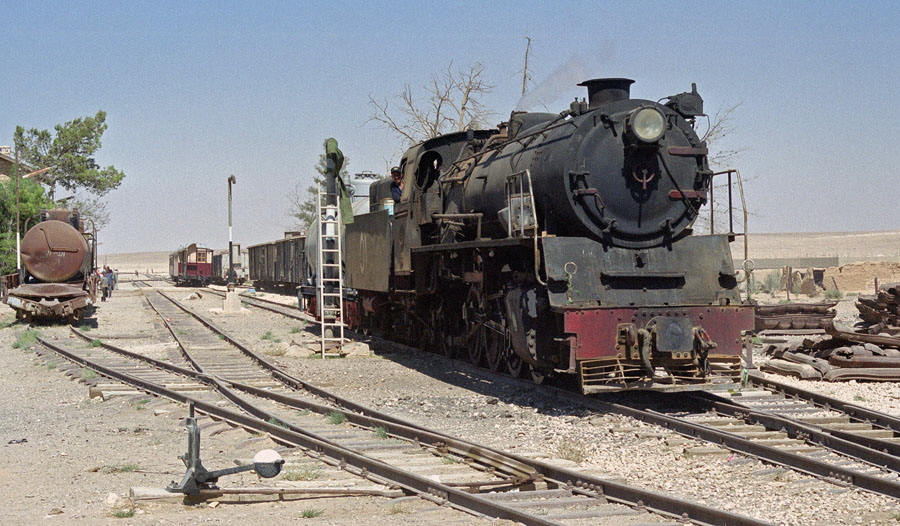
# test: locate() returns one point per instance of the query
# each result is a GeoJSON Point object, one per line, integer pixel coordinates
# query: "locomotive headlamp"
{"type": "Point", "coordinates": [648, 124]}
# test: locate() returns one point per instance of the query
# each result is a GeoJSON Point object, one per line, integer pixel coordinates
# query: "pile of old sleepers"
{"type": "Point", "coordinates": [794, 316]}
{"type": "Point", "coordinates": [838, 356]}
{"type": "Point", "coordinates": [881, 310]}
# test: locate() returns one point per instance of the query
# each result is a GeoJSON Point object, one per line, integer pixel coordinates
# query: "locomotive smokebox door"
{"type": "Point", "coordinates": [674, 334]}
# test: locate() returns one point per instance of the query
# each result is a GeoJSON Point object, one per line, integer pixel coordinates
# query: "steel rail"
{"type": "Point", "coordinates": [262, 303]}
{"type": "Point", "coordinates": [876, 452]}
{"type": "Point", "coordinates": [747, 446]}
{"type": "Point", "coordinates": [295, 437]}
{"type": "Point", "coordinates": [862, 414]}
{"type": "Point", "coordinates": [523, 468]}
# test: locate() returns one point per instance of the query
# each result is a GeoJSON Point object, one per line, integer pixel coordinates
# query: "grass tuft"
{"type": "Point", "coordinates": [275, 422]}
{"type": "Point", "coordinates": [311, 513]}
{"type": "Point", "coordinates": [124, 514]}
{"type": "Point", "coordinates": [336, 418]}
{"type": "Point", "coordinates": [95, 343]}
{"type": "Point", "coordinates": [52, 365]}
{"type": "Point", "coordinates": [122, 468]}
{"type": "Point", "coordinates": [302, 474]}
{"type": "Point", "coordinates": [26, 339]}
{"type": "Point", "coordinates": [266, 336]}
{"type": "Point", "coordinates": [381, 433]}
{"type": "Point", "coordinates": [88, 374]}
{"type": "Point", "coordinates": [295, 330]}
{"type": "Point", "coordinates": [833, 294]}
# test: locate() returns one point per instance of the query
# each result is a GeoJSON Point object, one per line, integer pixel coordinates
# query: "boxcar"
{"type": "Point", "coordinates": [278, 265]}
{"type": "Point", "coordinates": [191, 266]}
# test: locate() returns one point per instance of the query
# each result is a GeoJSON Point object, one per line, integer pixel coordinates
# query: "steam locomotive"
{"type": "Point", "coordinates": [558, 244]}
{"type": "Point", "coordinates": [57, 281]}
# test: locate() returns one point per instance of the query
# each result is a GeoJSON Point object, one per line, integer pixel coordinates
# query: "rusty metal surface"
{"type": "Point", "coordinates": [595, 329]}
{"type": "Point", "coordinates": [794, 316]}
{"type": "Point", "coordinates": [59, 308]}
{"type": "Point", "coordinates": [54, 251]}
{"type": "Point", "coordinates": [867, 374]}
{"type": "Point", "coordinates": [884, 341]}
{"type": "Point", "coordinates": [857, 362]}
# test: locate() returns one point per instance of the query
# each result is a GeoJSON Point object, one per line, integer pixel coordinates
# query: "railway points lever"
{"type": "Point", "coordinates": [267, 464]}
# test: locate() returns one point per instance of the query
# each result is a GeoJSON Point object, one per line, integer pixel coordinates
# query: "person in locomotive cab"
{"type": "Point", "coordinates": [396, 184]}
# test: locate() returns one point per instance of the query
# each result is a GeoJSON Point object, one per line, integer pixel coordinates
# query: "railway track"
{"type": "Point", "coordinates": [833, 443]}
{"type": "Point", "coordinates": [273, 306]}
{"type": "Point", "coordinates": [373, 445]}
{"type": "Point", "coordinates": [842, 443]}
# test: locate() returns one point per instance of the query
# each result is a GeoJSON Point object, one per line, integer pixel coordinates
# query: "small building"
{"type": "Point", "coordinates": [8, 165]}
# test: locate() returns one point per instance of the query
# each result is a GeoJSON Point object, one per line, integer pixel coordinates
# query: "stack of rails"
{"type": "Point", "coordinates": [882, 309]}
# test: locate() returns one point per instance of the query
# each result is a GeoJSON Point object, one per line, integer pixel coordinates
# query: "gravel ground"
{"type": "Point", "coordinates": [54, 469]}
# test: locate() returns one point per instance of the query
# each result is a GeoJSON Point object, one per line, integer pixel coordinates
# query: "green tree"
{"type": "Point", "coordinates": [303, 202]}
{"type": "Point", "coordinates": [31, 199]}
{"type": "Point", "coordinates": [70, 152]}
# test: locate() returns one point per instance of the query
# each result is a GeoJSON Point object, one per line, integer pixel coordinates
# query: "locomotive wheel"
{"type": "Point", "coordinates": [538, 376]}
{"type": "Point", "coordinates": [515, 365]}
{"type": "Point", "coordinates": [473, 313]}
{"type": "Point", "coordinates": [495, 348]}
{"type": "Point", "coordinates": [476, 343]}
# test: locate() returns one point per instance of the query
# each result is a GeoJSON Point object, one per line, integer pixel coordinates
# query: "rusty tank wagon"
{"type": "Point", "coordinates": [57, 279]}
{"type": "Point", "coordinates": [558, 244]}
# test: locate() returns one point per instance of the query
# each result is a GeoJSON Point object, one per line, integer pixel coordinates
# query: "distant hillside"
{"type": "Point", "coordinates": [847, 246]}
{"type": "Point", "coordinates": [154, 262]}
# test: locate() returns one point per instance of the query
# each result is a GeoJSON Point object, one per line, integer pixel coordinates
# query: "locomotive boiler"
{"type": "Point", "coordinates": [559, 243]}
{"type": "Point", "coordinates": [57, 280]}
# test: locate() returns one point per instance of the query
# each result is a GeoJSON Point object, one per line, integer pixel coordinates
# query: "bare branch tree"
{"type": "Point", "coordinates": [453, 103]}
{"type": "Point", "coordinates": [722, 126]}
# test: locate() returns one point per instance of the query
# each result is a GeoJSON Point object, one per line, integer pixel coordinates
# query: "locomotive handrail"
{"type": "Point", "coordinates": [477, 215]}
{"type": "Point", "coordinates": [712, 223]}
{"type": "Point", "coordinates": [510, 184]}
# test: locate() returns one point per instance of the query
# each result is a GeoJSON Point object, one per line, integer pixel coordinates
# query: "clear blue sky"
{"type": "Point", "coordinates": [197, 91]}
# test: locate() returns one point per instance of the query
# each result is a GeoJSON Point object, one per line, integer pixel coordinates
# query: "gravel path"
{"type": "Point", "coordinates": [55, 466]}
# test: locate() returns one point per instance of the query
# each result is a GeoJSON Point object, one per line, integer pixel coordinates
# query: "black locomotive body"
{"type": "Point", "coordinates": [558, 243]}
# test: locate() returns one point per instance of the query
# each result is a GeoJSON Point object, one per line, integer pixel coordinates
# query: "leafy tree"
{"type": "Point", "coordinates": [31, 199]}
{"type": "Point", "coordinates": [70, 153]}
{"type": "Point", "coordinates": [303, 202]}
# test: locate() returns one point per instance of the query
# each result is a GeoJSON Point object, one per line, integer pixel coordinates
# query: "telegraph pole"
{"type": "Point", "coordinates": [230, 283]}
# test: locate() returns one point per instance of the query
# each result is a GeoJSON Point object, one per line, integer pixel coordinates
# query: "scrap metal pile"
{"type": "Point", "coordinates": [881, 310]}
{"type": "Point", "coordinates": [794, 316]}
{"type": "Point", "coordinates": [838, 356]}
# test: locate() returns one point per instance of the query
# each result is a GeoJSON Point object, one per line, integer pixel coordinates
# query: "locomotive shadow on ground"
{"type": "Point", "coordinates": [498, 386]}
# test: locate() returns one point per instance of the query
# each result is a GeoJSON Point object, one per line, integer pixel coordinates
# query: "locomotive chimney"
{"type": "Point", "coordinates": [604, 91]}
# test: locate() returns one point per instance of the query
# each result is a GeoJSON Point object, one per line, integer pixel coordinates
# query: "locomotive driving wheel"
{"type": "Point", "coordinates": [496, 344]}
{"type": "Point", "coordinates": [515, 365]}
{"type": "Point", "coordinates": [473, 314]}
